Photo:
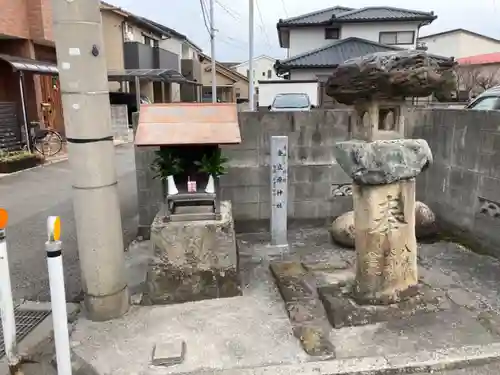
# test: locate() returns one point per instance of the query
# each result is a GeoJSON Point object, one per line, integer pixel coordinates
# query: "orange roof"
{"type": "Point", "coordinates": [163, 124]}
{"type": "Point", "coordinates": [487, 58]}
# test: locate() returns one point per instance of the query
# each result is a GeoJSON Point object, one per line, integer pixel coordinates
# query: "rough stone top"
{"type": "Point", "coordinates": [383, 162]}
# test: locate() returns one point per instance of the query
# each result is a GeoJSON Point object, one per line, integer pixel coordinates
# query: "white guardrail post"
{"type": "Point", "coordinates": [53, 247]}
{"type": "Point", "coordinates": [6, 301]}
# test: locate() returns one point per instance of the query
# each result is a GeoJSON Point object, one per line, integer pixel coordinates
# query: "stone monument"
{"type": "Point", "coordinates": [384, 174]}
{"type": "Point", "coordinates": [383, 165]}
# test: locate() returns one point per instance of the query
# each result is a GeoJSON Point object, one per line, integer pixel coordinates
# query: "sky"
{"type": "Point", "coordinates": [231, 19]}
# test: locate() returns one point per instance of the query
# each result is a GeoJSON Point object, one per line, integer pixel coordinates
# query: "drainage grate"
{"type": "Point", "coordinates": [26, 321]}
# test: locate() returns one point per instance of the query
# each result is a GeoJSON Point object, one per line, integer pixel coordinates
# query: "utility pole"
{"type": "Point", "coordinates": [82, 68]}
{"type": "Point", "coordinates": [212, 52]}
{"type": "Point", "coordinates": [251, 74]}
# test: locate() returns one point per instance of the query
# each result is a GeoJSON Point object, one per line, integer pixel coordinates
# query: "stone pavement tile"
{"type": "Point", "coordinates": [429, 331]}
{"type": "Point", "coordinates": [446, 264]}
{"type": "Point", "coordinates": [246, 331]}
{"type": "Point", "coordinates": [252, 334]}
{"type": "Point", "coordinates": [168, 353]}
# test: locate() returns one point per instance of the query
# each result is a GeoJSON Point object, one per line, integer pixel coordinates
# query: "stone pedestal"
{"type": "Point", "coordinates": [193, 260]}
{"type": "Point", "coordinates": [386, 246]}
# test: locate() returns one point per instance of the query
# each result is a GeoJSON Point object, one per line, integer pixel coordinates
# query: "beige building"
{"type": "Point", "coordinates": [459, 43]}
{"type": "Point", "coordinates": [231, 85]}
{"type": "Point", "coordinates": [134, 42]}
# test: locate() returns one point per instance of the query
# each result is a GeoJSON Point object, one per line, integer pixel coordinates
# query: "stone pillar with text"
{"type": "Point", "coordinates": [383, 173]}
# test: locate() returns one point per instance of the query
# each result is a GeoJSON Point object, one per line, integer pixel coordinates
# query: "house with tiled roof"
{"type": "Point", "coordinates": [320, 40]}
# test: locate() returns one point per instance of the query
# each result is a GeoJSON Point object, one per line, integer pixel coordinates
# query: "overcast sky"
{"type": "Point", "coordinates": [231, 19]}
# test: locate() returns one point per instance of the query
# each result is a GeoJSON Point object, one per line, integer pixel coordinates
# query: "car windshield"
{"type": "Point", "coordinates": [291, 101]}
{"type": "Point", "coordinates": [486, 103]}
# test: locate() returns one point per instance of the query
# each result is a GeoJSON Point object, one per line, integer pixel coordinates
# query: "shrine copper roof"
{"type": "Point", "coordinates": [165, 124]}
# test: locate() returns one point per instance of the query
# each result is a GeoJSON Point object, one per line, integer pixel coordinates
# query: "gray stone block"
{"type": "Point", "coordinates": [246, 211]}
{"type": "Point", "coordinates": [193, 260]}
{"type": "Point", "coordinates": [305, 209]}
{"type": "Point", "coordinates": [241, 157]}
{"type": "Point", "coordinates": [299, 173]}
{"type": "Point", "coordinates": [265, 210]}
{"type": "Point", "coordinates": [245, 176]}
{"type": "Point", "coordinates": [489, 188]}
{"type": "Point", "coordinates": [169, 353]}
{"type": "Point", "coordinates": [241, 194]}
{"type": "Point", "coordinates": [466, 147]}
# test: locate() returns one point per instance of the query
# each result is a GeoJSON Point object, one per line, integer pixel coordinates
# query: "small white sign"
{"type": "Point", "coordinates": [74, 51]}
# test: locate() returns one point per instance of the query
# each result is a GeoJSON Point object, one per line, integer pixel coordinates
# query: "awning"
{"type": "Point", "coordinates": [161, 75]}
{"type": "Point", "coordinates": [188, 123]}
{"type": "Point", "coordinates": [30, 65]}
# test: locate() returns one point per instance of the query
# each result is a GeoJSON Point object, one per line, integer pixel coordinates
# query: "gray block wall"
{"type": "Point", "coordinates": [119, 122]}
{"type": "Point", "coordinates": [316, 183]}
{"type": "Point", "coordinates": [313, 170]}
{"type": "Point", "coordinates": [463, 184]}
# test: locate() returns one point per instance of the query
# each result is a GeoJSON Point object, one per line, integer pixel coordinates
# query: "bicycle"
{"type": "Point", "coordinates": [46, 142]}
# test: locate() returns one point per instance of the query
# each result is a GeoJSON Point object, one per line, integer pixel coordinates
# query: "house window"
{"type": "Point", "coordinates": [149, 41]}
{"type": "Point", "coordinates": [269, 74]}
{"type": "Point", "coordinates": [332, 33]}
{"type": "Point", "coordinates": [248, 73]}
{"type": "Point", "coordinates": [263, 74]}
{"type": "Point", "coordinates": [396, 37]}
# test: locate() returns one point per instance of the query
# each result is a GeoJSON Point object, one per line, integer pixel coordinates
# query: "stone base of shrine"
{"type": "Point", "coordinates": [193, 260]}
{"type": "Point", "coordinates": [342, 310]}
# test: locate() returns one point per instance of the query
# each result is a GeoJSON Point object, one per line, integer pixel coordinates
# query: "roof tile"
{"type": "Point", "coordinates": [318, 16]}
{"type": "Point", "coordinates": [341, 13]}
{"type": "Point", "coordinates": [336, 53]}
{"type": "Point", "coordinates": [487, 58]}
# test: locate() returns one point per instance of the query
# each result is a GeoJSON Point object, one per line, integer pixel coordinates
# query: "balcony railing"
{"type": "Point", "coordinates": [142, 56]}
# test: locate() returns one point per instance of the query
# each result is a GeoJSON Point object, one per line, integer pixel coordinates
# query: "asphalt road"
{"type": "Point", "coordinates": [30, 197]}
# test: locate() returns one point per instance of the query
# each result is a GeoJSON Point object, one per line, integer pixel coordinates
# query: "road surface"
{"type": "Point", "coordinates": [30, 197]}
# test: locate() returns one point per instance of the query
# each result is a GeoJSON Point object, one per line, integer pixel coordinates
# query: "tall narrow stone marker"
{"type": "Point", "coordinates": [279, 190]}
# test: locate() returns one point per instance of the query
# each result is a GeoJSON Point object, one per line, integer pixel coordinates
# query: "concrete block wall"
{"type": "Point", "coordinates": [316, 183]}
{"type": "Point", "coordinates": [463, 184]}
{"type": "Point", "coordinates": [119, 122]}
{"type": "Point", "coordinates": [313, 171]}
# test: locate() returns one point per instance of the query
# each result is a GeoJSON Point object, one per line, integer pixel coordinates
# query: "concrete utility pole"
{"type": "Point", "coordinates": [84, 87]}
{"type": "Point", "coordinates": [212, 52]}
{"type": "Point", "coordinates": [251, 75]}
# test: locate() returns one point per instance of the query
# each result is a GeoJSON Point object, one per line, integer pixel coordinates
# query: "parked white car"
{"type": "Point", "coordinates": [486, 101]}
{"type": "Point", "coordinates": [291, 102]}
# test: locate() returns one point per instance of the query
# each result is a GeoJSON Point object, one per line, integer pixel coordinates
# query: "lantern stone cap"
{"type": "Point", "coordinates": [383, 162]}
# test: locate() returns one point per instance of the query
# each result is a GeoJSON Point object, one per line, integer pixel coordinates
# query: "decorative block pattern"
{"type": "Point", "coordinates": [489, 208]}
{"type": "Point", "coordinates": [341, 190]}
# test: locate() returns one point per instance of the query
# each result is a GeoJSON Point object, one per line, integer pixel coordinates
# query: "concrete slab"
{"type": "Point", "coordinates": [432, 331]}
{"type": "Point", "coordinates": [137, 258]}
{"type": "Point", "coordinates": [422, 362]}
{"type": "Point", "coordinates": [246, 331]}
{"type": "Point", "coordinates": [168, 353]}
{"type": "Point", "coordinates": [252, 334]}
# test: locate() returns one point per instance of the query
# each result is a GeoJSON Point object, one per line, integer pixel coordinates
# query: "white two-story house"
{"type": "Point", "coordinates": [320, 40]}
{"type": "Point", "coordinates": [263, 69]}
